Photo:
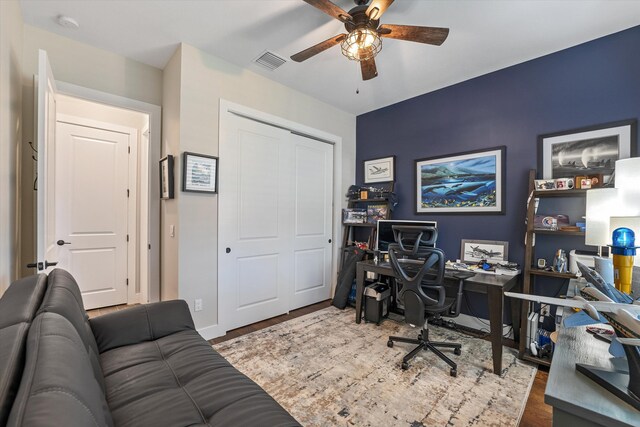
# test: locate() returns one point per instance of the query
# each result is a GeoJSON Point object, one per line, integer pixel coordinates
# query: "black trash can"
{"type": "Point", "coordinates": [376, 302]}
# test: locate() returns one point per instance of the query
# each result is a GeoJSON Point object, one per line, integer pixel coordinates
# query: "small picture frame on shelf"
{"type": "Point", "coordinates": [376, 213]}
{"type": "Point", "coordinates": [354, 216]}
{"type": "Point", "coordinates": [199, 173]}
{"type": "Point", "coordinates": [166, 177]}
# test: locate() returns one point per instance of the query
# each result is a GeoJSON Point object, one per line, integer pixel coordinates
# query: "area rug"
{"type": "Point", "coordinates": [328, 371]}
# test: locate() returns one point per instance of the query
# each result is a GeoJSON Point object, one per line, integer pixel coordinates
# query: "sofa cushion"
{"type": "Point", "coordinates": [58, 387]}
{"type": "Point", "coordinates": [179, 380]}
{"type": "Point", "coordinates": [140, 323]}
{"type": "Point", "coordinates": [64, 298]}
{"type": "Point", "coordinates": [18, 307]}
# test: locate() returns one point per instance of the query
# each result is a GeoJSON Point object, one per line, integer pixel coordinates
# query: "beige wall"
{"type": "Point", "coordinates": [88, 66]}
{"type": "Point", "coordinates": [10, 137]}
{"type": "Point", "coordinates": [82, 65]}
{"type": "Point", "coordinates": [205, 80]}
{"type": "Point", "coordinates": [169, 208]}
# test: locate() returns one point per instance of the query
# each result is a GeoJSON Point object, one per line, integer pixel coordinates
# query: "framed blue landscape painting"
{"type": "Point", "coordinates": [470, 182]}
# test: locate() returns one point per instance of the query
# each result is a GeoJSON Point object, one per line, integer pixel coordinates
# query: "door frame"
{"type": "Point", "coordinates": [148, 255]}
{"type": "Point", "coordinates": [226, 110]}
{"type": "Point", "coordinates": [133, 262]}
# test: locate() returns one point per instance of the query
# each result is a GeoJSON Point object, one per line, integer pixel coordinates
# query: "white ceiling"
{"type": "Point", "coordinates": [486, 35]}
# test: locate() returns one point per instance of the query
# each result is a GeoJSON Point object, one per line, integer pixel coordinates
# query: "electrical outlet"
{"type": "Point", "coordinates": [197, 306]}
{"type": "Point", "coordinates": [545, 309]}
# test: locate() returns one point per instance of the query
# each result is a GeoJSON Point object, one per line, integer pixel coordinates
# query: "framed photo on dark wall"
{"type": "Point", "coordinates": [586, 151]}
{"type": "Point", "coordinates": [166, 177]}
{"type": "Point", "coordinates": [472, 182]}
{"type": "Point", "coordinates": [199, 173]}
{"type": "Point", "coordinates": [380, 170]}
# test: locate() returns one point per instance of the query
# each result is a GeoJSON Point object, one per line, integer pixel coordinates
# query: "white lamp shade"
{"type": "Point", "coordinates": [601, 205]}
{"type": "Point", "coordinates": [628, 174]}
{"type": "Point", "coordinates": [605, 203]}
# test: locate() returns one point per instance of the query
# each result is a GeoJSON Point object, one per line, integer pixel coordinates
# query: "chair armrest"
{"type": "Point", "coordinates": [141, 323]}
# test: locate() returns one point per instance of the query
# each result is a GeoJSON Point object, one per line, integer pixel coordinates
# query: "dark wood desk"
{"type": "Point", "coordinates": [492, 285]}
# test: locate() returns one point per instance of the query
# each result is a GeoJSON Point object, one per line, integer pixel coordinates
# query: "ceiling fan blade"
{"type": "Point", "coordinates": [316, 49]}
{"type": "Point", "coordinates": [429, 35]}
{"type": "Point", "coordinates": [368, 69]}
{"type": "Point", "coordinates": [330, 9]}
{"type": "Point", "coordinates": [377, 8]}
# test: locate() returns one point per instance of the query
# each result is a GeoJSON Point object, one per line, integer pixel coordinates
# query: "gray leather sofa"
{"type": "Point", "coordinates": [144, 366]}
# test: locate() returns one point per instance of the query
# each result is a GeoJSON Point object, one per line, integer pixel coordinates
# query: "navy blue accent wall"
{"type": "Point", "coordinates": [593, 83]}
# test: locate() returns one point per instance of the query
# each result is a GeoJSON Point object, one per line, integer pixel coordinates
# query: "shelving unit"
{"type": "Point", "coordinates": [530, 269]}
{"type": "Point", "coordinates": [349, 229]}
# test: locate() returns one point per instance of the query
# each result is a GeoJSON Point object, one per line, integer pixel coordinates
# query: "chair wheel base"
{"type": "Point", "coordinates": [457, 351]}
{"type": "Point", "coordinates": [453, 373]}
{"type": "Point", "coordinates": [405, 366]}
{"type": "Point", "coordinates": [389, 343]}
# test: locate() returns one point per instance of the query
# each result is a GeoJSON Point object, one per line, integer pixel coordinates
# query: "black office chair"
{"type": "Point", "coordinates": [419, 270]}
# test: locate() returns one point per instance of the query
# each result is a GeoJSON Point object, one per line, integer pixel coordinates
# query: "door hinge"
{"type": "Point", "coordinates": [127, 237]}
{"type": "Point", "coordinates": [127, 193]}
{"type": "Point", "coordinates": [127, 281]}
{"type": "Point", "coordinates": [149, 246]}
{"type": "Point", "coordinates": [129, 149]}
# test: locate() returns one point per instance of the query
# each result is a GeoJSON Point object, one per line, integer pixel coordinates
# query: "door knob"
{"type": "Point", "coordinates": [62, 242]}
{"type": "Point", "coordinates": [228, 250]}
{"type": "Point", "coordinates": [329, 240]}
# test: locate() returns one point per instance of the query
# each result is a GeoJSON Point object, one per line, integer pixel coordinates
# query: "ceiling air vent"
{"type": "Point", "coordinates": [270, 60]}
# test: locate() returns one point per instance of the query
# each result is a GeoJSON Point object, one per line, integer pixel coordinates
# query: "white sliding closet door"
{"type": "Point", "coordinates": [313, 221]}
{"type": "Point", "coordinates": [255, 214]}
{"type": "Point", "coordinates": [275, 221]}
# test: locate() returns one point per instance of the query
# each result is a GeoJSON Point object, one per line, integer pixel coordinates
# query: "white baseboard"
{"type": "Point", "coordinates": [211, 332]}
{"type": "Point", "coordinates": [475, 323]}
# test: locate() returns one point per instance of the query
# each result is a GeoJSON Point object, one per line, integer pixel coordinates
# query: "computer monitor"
{"type": "Point", "coordinates": [384, 234]}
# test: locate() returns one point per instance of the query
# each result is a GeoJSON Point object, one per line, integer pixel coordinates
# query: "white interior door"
{"type": "Point", "coordinates": [255, 217]}
{"type": "Point", "coordinates": [46, 249]}
{"type": "Point", "coordinates": [313, 221]}
{"type": "Point", "coordinates": [91, 198]}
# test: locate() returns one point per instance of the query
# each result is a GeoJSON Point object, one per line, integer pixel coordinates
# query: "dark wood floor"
{"type": "Point", "coordinates": [536, 413]}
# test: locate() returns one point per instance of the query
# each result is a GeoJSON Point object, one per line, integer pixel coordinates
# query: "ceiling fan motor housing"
{"type": "Point", "coordinates": [359, 19]}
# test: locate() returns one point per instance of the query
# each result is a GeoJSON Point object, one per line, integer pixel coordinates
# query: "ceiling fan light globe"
{"type": "Point", "coordinates": [361, 44]}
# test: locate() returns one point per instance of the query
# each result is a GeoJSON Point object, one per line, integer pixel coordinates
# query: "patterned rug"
{"type": "Point", "coordinates": [328, 371]}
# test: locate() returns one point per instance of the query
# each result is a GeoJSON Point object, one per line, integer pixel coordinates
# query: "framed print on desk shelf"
{"type": "Point", "coordinates": [166, 177]}
{"type": "Point", "coordinates": [199, 173]}
{"type": "Point", "coordinates": [380, 170]}
{"type": "Point", "coordinates": [464, 183]}
{"type": "Point", "coordinates": [492, 251]}
{"type": "Point", "coordinates": [586, 151]}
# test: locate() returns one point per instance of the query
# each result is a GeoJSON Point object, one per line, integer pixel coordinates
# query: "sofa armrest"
{"type": "Point", "coordinates": [141, 323]}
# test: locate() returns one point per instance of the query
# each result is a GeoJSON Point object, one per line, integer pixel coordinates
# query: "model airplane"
{"type": "Point", "coordinates": [375, 170]}
{"type": "Point", "coordinates": [478, 252]}
{"type": "Point", "coordinates": [602, 302]}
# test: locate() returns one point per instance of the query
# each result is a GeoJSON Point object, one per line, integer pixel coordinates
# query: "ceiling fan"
{"type": "Point", "coordinates": [363, 39]}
